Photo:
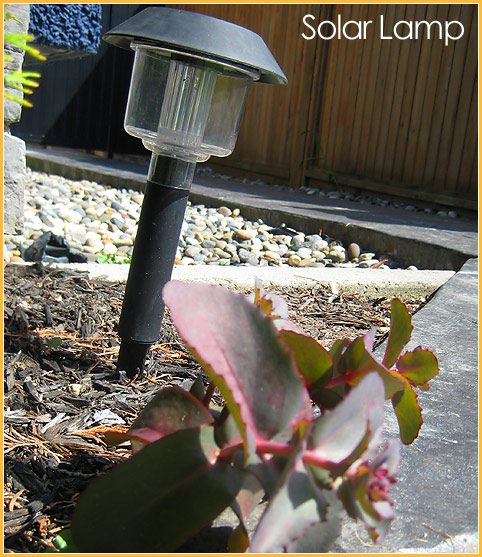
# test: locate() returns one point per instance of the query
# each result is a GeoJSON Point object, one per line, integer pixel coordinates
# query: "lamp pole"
{"type": "Point", "coordinates": [162, 214]}
{"type": "Point", "coordinates": [189, 86]}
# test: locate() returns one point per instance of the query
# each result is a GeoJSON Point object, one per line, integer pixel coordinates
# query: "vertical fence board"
{"type": "Point", "coordinates": [389, 97]}
{"type": "Point", "coordinates": [337, 120]}
{"type": "Point", "coordinates": [420, 87]}
{"type": "Point", "coordinates": [346, 73]}
{"type": "Point", "coordinates": [301, 109]}
{"type": "Point", "coordinates": [431, 92]}
{"type": "Point", "coordinates": [350, 94]}
{"type": "Point", "coordinates": [443, 82]}
{"type": "Point", "coordinates": [380, 92]}
{"type": "Point", "coordinates": [470, 148]}
{"type": "Point", "coordinates": [406, 13]}
{"type": "Point", "coordinates": [369, 107]}
{"type": "Point", "coordinates": [397, 172]}
{"type": "Point", "coordinates": [327, 98]}
{"type": "Point", "coordinates": [450, 116]}
{"type": "Point", "coordinates": [462, 122]}
{"type": "Point", "coordinates": [363, 99]}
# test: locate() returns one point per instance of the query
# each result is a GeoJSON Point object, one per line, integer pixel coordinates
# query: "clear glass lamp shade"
{"type": "Point", "coordinates": [183, 106]}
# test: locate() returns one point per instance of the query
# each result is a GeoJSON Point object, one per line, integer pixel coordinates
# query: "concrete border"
{"type": "Point", "coordinates": [372, 283]}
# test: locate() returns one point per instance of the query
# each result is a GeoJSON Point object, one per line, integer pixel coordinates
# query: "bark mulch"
{"type": "Point", "coordinates": [61, 389]}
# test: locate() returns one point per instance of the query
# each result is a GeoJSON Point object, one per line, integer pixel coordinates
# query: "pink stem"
{"type": "Point", "coordinates": [272, 447]}
{"type": "Point", "coordinates": [340, 380]}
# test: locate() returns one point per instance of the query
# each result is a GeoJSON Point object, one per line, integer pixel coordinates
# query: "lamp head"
{"type": "Point", "coordinates": [190, 80]}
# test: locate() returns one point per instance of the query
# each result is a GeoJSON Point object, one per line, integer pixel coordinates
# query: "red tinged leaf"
{"type": "Point", "coordinates": [340, 435]}
{"type": "Point", "coordinates": [247, 499]}
{"type": "Point", "coordinates": [140, 439]}
{"type": "Point", "coordinates": [365, 490]}
{"type": "Point", "coordinates": [297, 506]}
{"type": "Point", "coordinates": [313, 361]}
{"type": "Point", "coordinates": [400, 332]}
{"type": "Point", "coordinates": [409, 413]}
{"type": "Point", "coordinates": [274, 306]}
{"type": "Point", "coordinates": [158, 498]}
{"type": "Point", "coordinates": [336, 352]}
{"type": "Point", "coordinates": [356, 362]}
{"type": "Point", "coordinates": [239, 348]}
{"type": "Point", "coordinates": [418, 367]}
{"type": "Point", "coordinates": [303, 417]}
{"type": "Point", "coordinates": [170, 410]}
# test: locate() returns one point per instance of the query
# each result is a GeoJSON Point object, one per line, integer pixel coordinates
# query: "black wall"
{"type": "Point", "coordinates": [80, 103]}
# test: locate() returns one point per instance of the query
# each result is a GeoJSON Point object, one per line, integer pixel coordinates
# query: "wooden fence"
{"type": "Point", "coordinates": [394, 116]}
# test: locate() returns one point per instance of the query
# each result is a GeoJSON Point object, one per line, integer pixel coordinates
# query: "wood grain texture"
{"type": "Point", "coordinates": [394, 114]}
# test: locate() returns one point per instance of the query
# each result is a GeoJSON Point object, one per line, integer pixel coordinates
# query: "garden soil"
{"type": "Point", "coordinates": [61, 389]}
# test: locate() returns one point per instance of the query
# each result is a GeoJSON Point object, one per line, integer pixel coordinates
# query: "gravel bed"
{"type": "Point", "coordinates": [97, 223]}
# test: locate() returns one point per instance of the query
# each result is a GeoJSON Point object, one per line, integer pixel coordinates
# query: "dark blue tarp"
{"type": "Point", "coordinates": [75, 27]}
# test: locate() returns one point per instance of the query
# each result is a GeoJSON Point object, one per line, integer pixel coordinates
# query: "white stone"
{"type": "Point", "coordinates": [109, 248]}
{"type": "Point", "coordinates": [304, 253]}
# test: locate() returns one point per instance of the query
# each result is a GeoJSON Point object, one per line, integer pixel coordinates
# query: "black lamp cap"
{"type": "Point", "coordinates": [200, 34]}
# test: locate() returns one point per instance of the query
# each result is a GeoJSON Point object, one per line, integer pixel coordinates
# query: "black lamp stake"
{"type": "Point", "coordinates": [162, 214]}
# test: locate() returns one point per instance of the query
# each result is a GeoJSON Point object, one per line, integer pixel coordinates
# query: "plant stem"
{"type": "Point", "coordinates": [340, 380]}
{"type": "Point", "coordinates": [272, 447]}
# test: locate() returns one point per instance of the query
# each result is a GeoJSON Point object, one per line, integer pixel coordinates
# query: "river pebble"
{"type": "Point", "coordinates": [101, 222]}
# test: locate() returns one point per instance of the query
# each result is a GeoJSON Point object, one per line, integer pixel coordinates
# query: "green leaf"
{"type": "Point", "coordinates": [274, 306]}
{"type": "Point", "coordinates": [418, 367]}
{"type": "Point", "coordinates": [326, 398]}
{"type": "Point", "coordinates": [62, 543]}
{"type": "Point", "coordinates": [102, 258]}
{"type": "Point", "coordinates": [400, 331]}
{"type": "Point", "coordinates": [336, 352]}
{"type": "Point", "coordinates": [238, 541]}
{"type": "Point", "coordinates": [170, 410]}
{"type": "Point", "coordinates": [297, 506]}
{"type": "Point", "coordinates": [312, 360]}
{"type": "Point", "coordinates": [54, 342]}
{"type": "Point", "coordinates": [340, 435]}
{"type": "Point", "coordinates": [409, 413]}
{"type": "Point", "coordinates": [158, 498]}
{"type": "Point", "coordinates": [19, 100]}
{"type": "Point", "coordinates": [319, 537]}
{"type": "Point", "coordinates": [247, 499]}
{"type": "Point", "coordinates": [357, 361]}
{"type": "Point", "coordinates": [197, 388]}
{"type": "Point", "coordinates": [365, 490]}
{"type": "Point", "coordinates": [238, 347]}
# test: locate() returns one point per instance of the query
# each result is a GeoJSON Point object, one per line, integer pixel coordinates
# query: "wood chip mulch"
{"type": "Point", "coordinates": [61, 389]}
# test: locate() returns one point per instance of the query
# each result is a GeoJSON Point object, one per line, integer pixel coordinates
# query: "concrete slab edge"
{"type": "Point", "coordinates": [372, 283]}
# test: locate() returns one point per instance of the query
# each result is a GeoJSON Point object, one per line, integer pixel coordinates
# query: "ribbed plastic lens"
{"type": "Point", "coordinates": [185, 108]}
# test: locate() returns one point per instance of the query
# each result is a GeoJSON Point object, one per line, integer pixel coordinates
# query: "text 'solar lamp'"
{"type": "Point", "coordinates": [189, 85]}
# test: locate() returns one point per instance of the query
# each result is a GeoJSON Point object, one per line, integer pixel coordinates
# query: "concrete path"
{"type": "Point", "coordinates": [436, 497]}
{"type": "Point", "coordinates": [436, 494]}
{"type": "Point", "coordinates": [426, 241]}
